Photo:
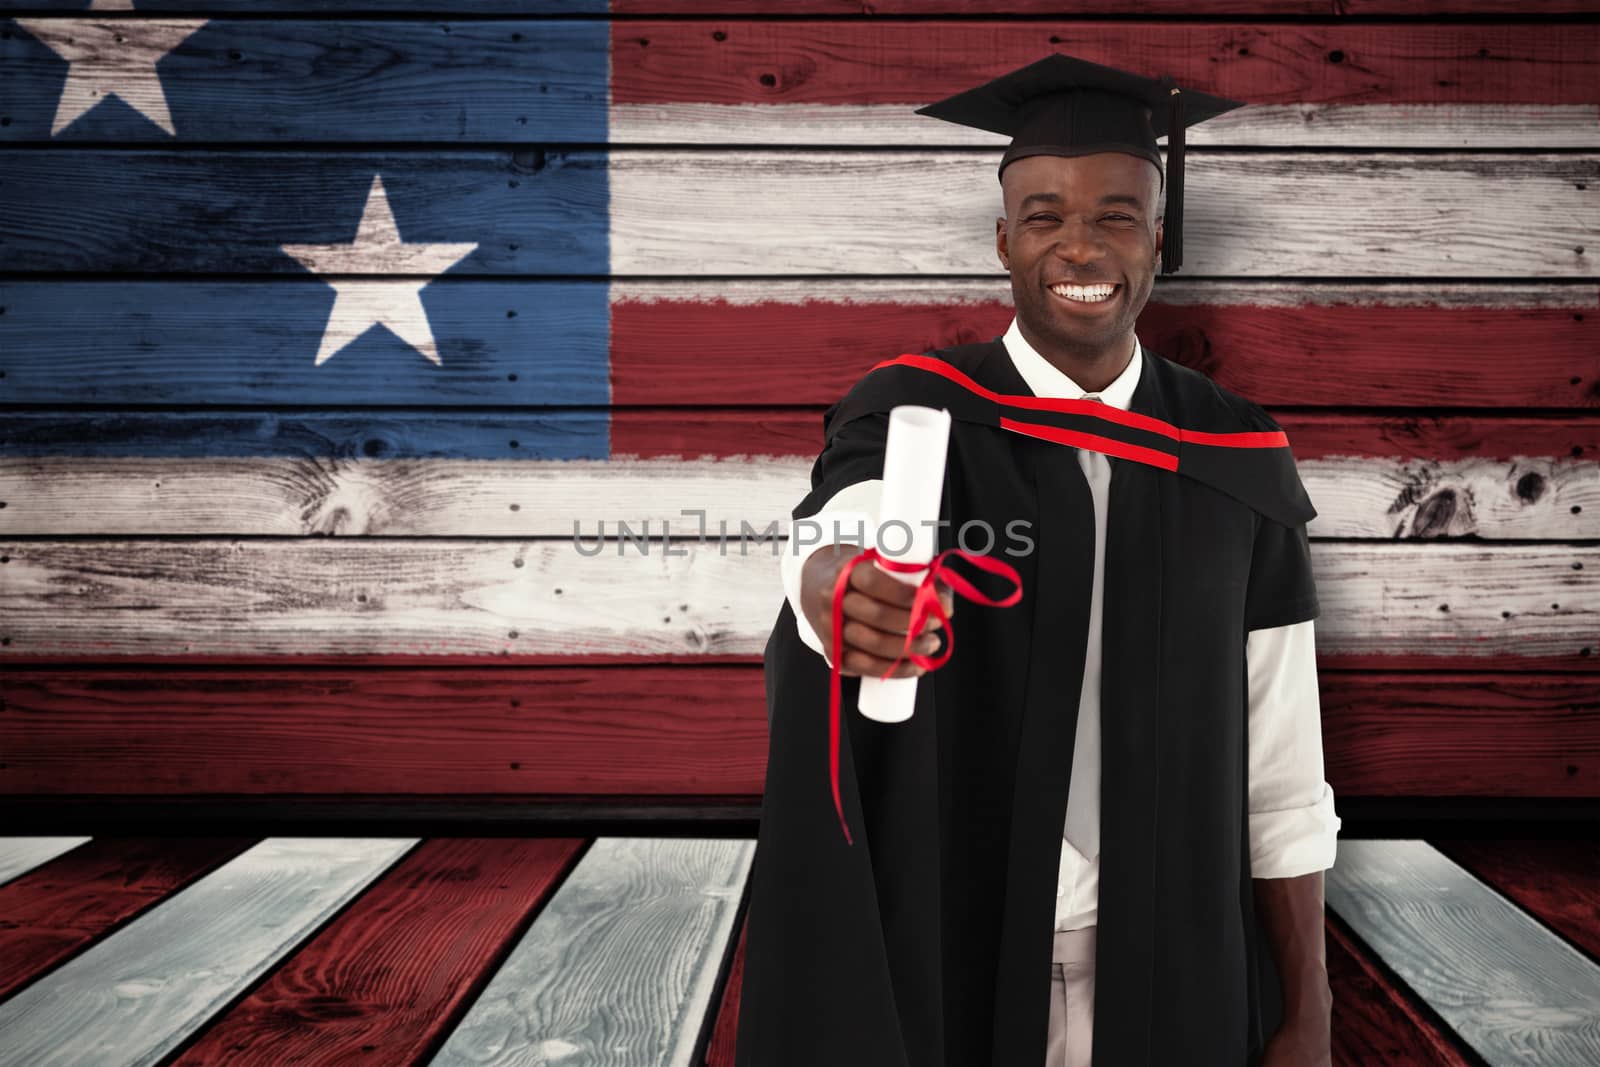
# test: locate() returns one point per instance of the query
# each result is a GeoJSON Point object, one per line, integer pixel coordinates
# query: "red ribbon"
{"type": "Point", "coordinates": [925, 603]}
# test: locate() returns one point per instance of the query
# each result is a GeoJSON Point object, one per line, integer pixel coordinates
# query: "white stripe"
{"type": "Point", "coordinates": [1169, 289]}
{"type": "Point", "coordinates": [676, 213]}
{"type": "Point", "coordinates": [1356, 497]}
{"type": "Point", "coordinates": [19, 855]}
{"type": "Point", "coordinates": [338, 596]}
{"type": "Point", "coordinates": [1464, 126]}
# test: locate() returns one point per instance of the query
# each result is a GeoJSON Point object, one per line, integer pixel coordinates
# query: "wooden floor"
{"type": "Point", "coordinates": [629, 951]}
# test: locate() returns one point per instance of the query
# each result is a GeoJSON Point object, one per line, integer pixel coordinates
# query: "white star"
{"type": "Point", "coordinates": [392, 302]}
{"type": "Point", "coordinates": [112, 58]}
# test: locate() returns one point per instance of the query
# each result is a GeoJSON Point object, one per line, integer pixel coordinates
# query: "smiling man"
{"type": "Point", "coordinates": [1077, 309]}
{"type": "Point", "coordinates": [1102, 832]}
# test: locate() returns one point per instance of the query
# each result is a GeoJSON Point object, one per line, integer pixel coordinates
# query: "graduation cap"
{"type": "Point", "coordinates": [1064, 106]}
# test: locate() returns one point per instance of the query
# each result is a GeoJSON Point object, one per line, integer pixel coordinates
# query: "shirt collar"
{"type": "Point", "coordinates": [1046, 380]}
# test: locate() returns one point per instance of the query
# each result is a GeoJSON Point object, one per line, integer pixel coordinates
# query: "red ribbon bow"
{"type": "Point", "coordinates": [924, 604]}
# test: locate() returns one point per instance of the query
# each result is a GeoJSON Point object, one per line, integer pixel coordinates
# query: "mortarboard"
{"type": "Point", "coordinates": [1064, 106]}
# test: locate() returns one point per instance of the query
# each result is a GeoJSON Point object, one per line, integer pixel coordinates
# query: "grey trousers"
{"type": "Point", "coordinates": [1071, 998]}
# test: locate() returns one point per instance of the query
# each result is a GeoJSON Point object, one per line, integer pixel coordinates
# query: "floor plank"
{"type": "Point", "coordinates": [1512, 990]}
{"type": "Point", "coordinates": [57, 909]}
{"type": "Point", "coordinates": [135, 996]}
{"type": "Point", "coordinates": [620, 967]}
{"type": "Point", "coordinates": [725, 1029]}
{"type": "Point", "coordinates": [385, 980]}
{"type": "Point", "coordinates": [1376, 1019]}
{"type": "Point", "coordinates": [21, 854]}
{"type": "Point", "coordinates": [1557, 881]}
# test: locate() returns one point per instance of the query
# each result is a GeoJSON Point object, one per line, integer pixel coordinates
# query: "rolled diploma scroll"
{"type": "Point", "coordinates": [913, 481]}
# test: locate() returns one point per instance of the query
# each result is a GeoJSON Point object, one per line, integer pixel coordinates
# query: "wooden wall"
{"type": "Point", "coordinates": [255, 549]}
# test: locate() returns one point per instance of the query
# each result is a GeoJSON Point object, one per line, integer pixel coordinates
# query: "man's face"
{"type": "Point", "coordinates": [1082, 220]}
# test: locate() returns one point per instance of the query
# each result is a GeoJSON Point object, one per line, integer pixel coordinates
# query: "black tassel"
{"type": "Point", "coordinates": [1172, 241]}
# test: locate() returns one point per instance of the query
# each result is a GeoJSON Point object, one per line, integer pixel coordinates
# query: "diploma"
{"type": "Point", "coordinates": [913, 481]}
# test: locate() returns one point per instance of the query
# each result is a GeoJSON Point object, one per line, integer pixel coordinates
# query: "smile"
{"type": "Point", "coordinates": [1084, 294]}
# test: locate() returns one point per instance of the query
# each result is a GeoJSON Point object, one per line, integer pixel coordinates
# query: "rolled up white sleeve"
{"type": "Point", "coordinates": [1293, 826]}
{"type": "Point", "coordinates": [849, 516]}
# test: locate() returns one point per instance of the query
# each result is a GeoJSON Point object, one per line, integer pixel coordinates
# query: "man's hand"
{"type": "Point", "coordinates": [877, 613]}
{"type": "Point", "coordinates": [1299, 1043]}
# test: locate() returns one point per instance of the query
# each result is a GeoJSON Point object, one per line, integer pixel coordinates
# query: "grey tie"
{"type": "Point", "coordinates": [1083, 797]}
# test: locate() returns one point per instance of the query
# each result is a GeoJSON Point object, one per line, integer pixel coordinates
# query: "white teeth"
{"type": "Point", "coordinates": [1089, 294]}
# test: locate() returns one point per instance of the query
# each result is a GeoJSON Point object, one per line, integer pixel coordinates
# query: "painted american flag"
{"type": "Point", "coordinates": [332, 331]}
{"type": "Point", "coordinates": [325, 326]}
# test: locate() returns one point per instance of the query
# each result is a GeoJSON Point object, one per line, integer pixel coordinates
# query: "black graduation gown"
{"type": "Point", "coordinates": [926, 942]}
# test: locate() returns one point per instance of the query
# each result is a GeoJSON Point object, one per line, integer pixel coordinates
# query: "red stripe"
{"type": "Point", "coordinates": [1332, 355]}
{"type": "Point", "coordinates": [660, 731]}
{"type": "Point", "coordinates": [878, 8]}
{"type": "Point", "coordinates": [643, 730]}
{"type": "Point", "coordinates": [1137, 453]}
{"type": "Point", "coordinates": [1231, 9]}
{"type": "Point", "coordinates": [842, 61]}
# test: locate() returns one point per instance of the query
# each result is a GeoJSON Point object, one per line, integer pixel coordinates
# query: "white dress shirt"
{"type": "Point", "coordinates": [1293, 826]}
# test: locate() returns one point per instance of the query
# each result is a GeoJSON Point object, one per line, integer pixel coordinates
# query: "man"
{"type": "Point", "coordinates": [1164, 631]}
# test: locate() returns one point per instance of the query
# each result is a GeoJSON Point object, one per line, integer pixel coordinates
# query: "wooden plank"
{"type": "Point", "coordinates": [1449, 735]}
{"type": "Point", "coordinates": [1376, 1019]}
{"type": "Point", "coordinates": [1355, 85]}
{"type": "Point", "coordinates": [788, 82]}
{"type": "Point", "coordinates": [1557, 881]}
{"type": "Point", "coordinates": [55, 911]}
{"type": "Point", "coordinates": [1256, 215]}
{"type": "Point", "coordinates": [1168, 8]}
{"type": "Point", "coordinates": [1364, 8]}
{"type": "Point", "coordinates": [521, 344]}
{"type": "Point", "coordinates": [1507, 986]}
{"type": "Point", "coordinates": [355, 7]}
{"type": "Point", "coordinates": [548, 734]}
{"type": "Point", "coordinates": [1310, 343]}
{"type": "Point", "coordinates": [350, 814]}
{"type": "Point", "coordinates": [254, 80]}
{"type": "Point", "coordinates": [644, 731]}
{"type": "Point", "coordinates": [1528, 498]}
{"type": "Point", "coordinates": [180, 436]}
{"type": "Point", "coordinates": [139, 993]}
{"type": "Point", "coordinates": [781, 213]}
{"type": "Point", "coordinates": [1371, 477]}
{"type": "Point", "coordinates": [837, 61]}
{"type": "Point", "coordinates": [385, 980]}
{"type": "Point", "coordinates": [1470, 126]}
{"type": "Point", "coordinates": [725, 1028]}
{"type": "Point", "coordinates": [539, 343]}
{"type": "Point", "coordinates": [1463, 605]}
{"type": "Point", "coordinates": [19, 855]}
{"type": "Point", "coordinates": [621, 965]}
{"type": "Point", "coordinates": [851, 8]}
{"type": "Point", "coordinates": [1456, 606]}
{"type": "Point", "coordinates": [545, 210]}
